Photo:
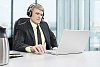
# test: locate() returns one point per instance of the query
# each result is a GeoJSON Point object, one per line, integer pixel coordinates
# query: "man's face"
{"type": "Point", "coordinates": [36, 15]}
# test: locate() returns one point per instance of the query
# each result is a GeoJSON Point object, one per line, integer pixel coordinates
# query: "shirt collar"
{"type": "Point", "coordinates": [33, 24]}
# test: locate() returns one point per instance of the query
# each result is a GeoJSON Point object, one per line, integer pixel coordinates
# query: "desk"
{"type": "Point", "coordinates": [86, 59]}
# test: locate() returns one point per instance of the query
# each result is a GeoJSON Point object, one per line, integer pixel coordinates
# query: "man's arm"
{"type": "Point", "coordinates": [53, 40]}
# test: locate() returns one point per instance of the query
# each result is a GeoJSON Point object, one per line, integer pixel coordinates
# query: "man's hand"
{"type": "Point", "coordinates": [38, 49]}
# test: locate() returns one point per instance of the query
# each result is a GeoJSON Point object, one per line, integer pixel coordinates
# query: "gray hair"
{"type": "Point", "coordinates": [38, 6]}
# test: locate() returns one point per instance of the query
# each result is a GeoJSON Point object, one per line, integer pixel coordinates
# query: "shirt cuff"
{"type": "Point", "coordinates": [28, 49]}
{"type": "Point", "coordinates": [54, 48]}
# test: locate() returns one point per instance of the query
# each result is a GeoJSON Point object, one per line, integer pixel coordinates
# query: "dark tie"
{"type": "Point", "coordinates": [39, 35]}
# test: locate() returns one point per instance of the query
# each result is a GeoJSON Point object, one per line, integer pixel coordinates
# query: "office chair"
{"type": "Point", "coordinates": [19, 21]}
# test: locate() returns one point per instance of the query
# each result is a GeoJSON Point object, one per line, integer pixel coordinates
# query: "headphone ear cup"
{"type": "Point", "coordinates": [29, 10]}
{"type": "Point", "coordinates": [43, 16]}
{"type": "Point", "coordinates": [29, 13]}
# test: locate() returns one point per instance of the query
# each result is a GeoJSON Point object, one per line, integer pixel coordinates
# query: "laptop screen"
{"type": "Point", "coordinates": [73, 41]}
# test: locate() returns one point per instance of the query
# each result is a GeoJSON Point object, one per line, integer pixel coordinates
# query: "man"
{"type": "Point", "coordinates": [27, 36]}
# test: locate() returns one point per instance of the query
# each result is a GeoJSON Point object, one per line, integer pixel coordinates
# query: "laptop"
{"type": "Point", "coordinates": [72, 42]}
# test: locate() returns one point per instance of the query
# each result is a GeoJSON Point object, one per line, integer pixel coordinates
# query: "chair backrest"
{"type": "Point", "coordinates": [19, 21]}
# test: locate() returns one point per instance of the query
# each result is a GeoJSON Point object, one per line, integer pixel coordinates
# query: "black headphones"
{"type": "Point", "coordinates": [29, 10]}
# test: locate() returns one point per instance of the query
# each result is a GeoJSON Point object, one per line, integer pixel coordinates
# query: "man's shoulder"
{"type": "Point", "coordinates": [43, 22]}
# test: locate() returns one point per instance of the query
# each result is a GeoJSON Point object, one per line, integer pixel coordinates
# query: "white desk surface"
{"type": "Point", "coordinates": [86, 59]}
